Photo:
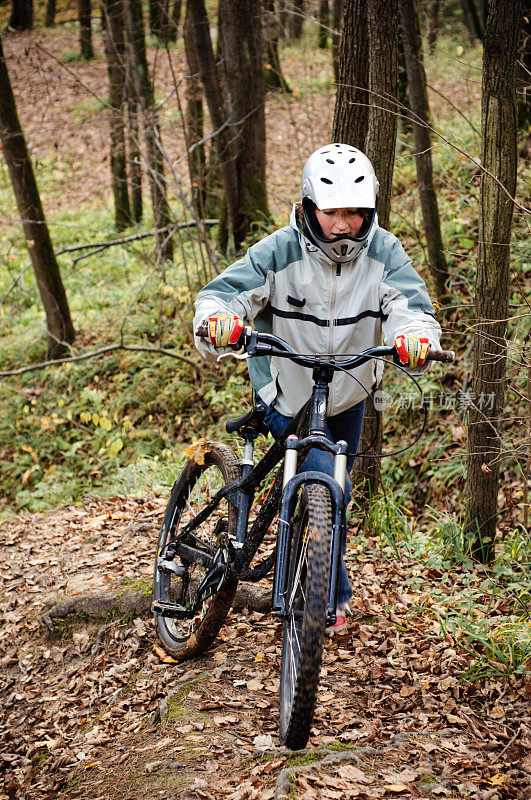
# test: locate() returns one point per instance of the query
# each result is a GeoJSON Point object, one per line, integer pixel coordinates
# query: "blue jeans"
{"type": "Point", "coordinates": [347, 426]}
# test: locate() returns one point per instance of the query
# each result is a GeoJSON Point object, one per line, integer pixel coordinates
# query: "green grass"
{"type": "Point", "coordinates": [486, 612]}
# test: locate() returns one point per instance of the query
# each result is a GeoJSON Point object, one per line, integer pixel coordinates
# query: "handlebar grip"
{"type": "Point", "coordinates": [447, 356]}
{"type": "Point", "coordinates": [202, 333]}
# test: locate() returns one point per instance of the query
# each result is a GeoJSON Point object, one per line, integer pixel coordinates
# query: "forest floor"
{"type": "Point", "coordinates": [96, 710]}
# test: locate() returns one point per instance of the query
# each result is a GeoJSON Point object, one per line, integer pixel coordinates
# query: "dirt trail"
{"type": "Point", "coordinates": [94, 711]}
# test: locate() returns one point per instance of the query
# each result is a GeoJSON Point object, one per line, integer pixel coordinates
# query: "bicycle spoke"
{"type": "Point", "coordinates": [195, 628]}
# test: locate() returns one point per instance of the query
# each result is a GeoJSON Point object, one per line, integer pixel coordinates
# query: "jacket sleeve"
{"type": "Point", "coordinates": [404, 301]}
{"type": "Point", "coordinates": [244, 288]}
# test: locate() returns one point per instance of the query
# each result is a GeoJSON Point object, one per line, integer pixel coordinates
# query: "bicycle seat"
{"type": "Point", "coordinates": [254, 419]}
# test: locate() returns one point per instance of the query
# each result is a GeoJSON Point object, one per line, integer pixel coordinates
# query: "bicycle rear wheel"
{"type": "Point", "coordinates": [304, 624]}
{"type": "Point", "coordinates": [178, 577]}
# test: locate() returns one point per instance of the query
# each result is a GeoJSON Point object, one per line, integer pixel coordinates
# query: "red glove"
{"type": "Point", "coordinates": [411, 350]}
{"type": "Point", "coordinates": [224, 329]}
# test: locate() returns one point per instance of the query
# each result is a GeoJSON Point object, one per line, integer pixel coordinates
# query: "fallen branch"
{"type": "Point", "coordinates": [111, 348]}
{"type": "Point", "coordinates": [133, 238]}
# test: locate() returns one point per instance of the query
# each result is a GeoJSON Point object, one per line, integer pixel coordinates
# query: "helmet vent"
{"type": "Point", "coordinates": [359, 180]}
{"type": "Point", "coordinates": [326, 180]}
{"type": "Point", "coordinates": [351, 160]}
{"type": "Point", "coordinates": [329, 161]}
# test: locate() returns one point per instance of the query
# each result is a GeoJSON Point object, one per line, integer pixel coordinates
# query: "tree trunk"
{"type": "Point", "coordinates": [523, 73]}
{"type": "Point", "coordinates": [201, 32]}
{"type": "Point", "coordinates": [283, 17]}
{"type": "Point", "coordinates": [380, 149]}
{"type": "Point", "coordinates": [351, 114]}
{"type": "Point", "coordinates": [133, 140]}
{"type": "Point", "coordinates": [324, 23]}
{"type": "Point", "coordinates": [418, 100]}
{"type": "Point", "coordinates": [60, 329]}
{"type": "Point", "coordinates": [144, 93]}
{"type": "Point", "coordinates": [154, 17]}
{"type": "Point", "coordinates": [166, 33]}
{"type": "Point", "coordinates": [433, 31]}
{"type": "Point", "coordinates": [175, 19]}
{"type": "Point", "coordinates": [21, 18]}
{"type": "Point", "coordinates": [164, 21]}
{"type": "Point", "coordinates": [404, 117]}
{"type": "Point", "coordinates": [472, 20]}
{"type": "Point", "coordinates": [499, 157]}
{"type": "Point", "coordinates": [296, 10]}
{"type": "Point", "coordinates": [49, 19]}
{"type": "Point", "coordinates": [243, 60]}
{"type": "Point", "coordinates": [113, 38]}
{"type": "Point", "coordinates": [85, 29]}
{"type": "Point", "coordinates": [274, 77]}
{"type": "Point", "coordinates": [383, 83]}
{"type": "Point", "coordinates": [194, 119]}
{"type": "Point", "coordinates": [337, 24]}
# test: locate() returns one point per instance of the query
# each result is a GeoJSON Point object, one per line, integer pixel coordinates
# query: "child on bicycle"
{"type": "Point", "coordinates": [331, 282]}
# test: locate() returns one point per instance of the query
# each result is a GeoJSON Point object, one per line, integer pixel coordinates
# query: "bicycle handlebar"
{"type": "Point", "coordinates": [261, 344]}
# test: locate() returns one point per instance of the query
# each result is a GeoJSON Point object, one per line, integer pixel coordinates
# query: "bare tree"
{"type": "Point", "coordinates": [337, 24]}
{"type": "Point", "coordinates": [351, 114]}
{"type": "Point", "coordinates": [274, 76]}
{"type": "Point", "coordinates": [194, 118]}
{"type": "Point", "coordinates": [295, 17]}
{"type": "Point", "coordinates": [433, 31]}
{"type": "Point", "coordinates": [133, 141]}
{"type": "Point", "coordinates": [112, 16]}
{"type": "Point", "coordinates": [85, 29]}
{"type": "Point", "coordinates": [164, 20]}
{"type": "Point", "coordinates": [150, 128]}
{"type": "Point", "coordinates": [60, 329]}
{"type": "Point", "coordinates": [243, 60]}
{"type": "Point", "coordinates": [49, 17]}
{"type": "Point", "coordinates": [200, 28]}
{"type": "Point", "coordinates": [499, 157]}
{"type": "Point", "coordinates": [324, 24]}
{"type": "Point", "coordinates": [418, 101]}
{"type": "Point", "coordinates": [473, 19]}
{"type": "Point", "coordinates": [524, 76]}
{"type": "Point", "coordinates": [380, 148]}
{"type": "Point", "coordinates": [21, 18]}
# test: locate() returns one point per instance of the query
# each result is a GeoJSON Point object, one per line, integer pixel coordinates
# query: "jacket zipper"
{"type": "Point", "coordinates": [331, 329]}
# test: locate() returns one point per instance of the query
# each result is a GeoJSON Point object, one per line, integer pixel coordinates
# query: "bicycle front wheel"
{"type": "Point", "coordinates": [304, 624]}
{"type": "Point", "coordinates": [177, 578]}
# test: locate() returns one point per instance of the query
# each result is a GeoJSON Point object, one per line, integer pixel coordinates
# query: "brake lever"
{"type": "Point", "coordinates": [238, 356]}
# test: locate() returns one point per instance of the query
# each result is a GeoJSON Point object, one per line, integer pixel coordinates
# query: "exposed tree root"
{"type": "Point", "coordinates": [101, 605]}
{"type": "Point", "coordinates": [323, 758]}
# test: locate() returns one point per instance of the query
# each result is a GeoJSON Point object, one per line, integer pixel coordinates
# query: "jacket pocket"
{"type": "Point", "coordinates": [293, 301]}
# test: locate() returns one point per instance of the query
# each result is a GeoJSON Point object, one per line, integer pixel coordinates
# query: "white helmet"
{"type": "Point", "coordinates": [338, 176]}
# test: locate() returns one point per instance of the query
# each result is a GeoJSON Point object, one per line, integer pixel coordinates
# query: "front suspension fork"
{"type": "Point", "coordinates": [289, 499]}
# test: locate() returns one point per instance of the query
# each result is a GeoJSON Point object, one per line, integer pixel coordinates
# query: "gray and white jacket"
{"type": "Point", "coordinates": [285, 285]}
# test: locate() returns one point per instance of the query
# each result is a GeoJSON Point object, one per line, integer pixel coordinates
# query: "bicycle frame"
{"type": "Point", "coordinates": [310, 420]}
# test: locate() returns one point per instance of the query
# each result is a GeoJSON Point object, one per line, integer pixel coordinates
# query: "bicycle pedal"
{"type": "Point", "coordinates": [171, 610]}
{"type": "Point", "coordinates": [171, 568]}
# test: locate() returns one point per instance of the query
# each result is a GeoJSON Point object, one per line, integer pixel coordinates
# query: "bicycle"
{"type": "Point", "coordinates": [205, 546]}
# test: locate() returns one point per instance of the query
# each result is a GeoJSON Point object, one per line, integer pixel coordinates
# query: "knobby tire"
{"type": "Point", "coordinates": [194, 488]}
{"type": "Point", "coordinates": [304, 624]}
